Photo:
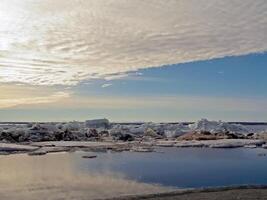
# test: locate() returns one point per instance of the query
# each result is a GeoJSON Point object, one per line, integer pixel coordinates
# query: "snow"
{"type": "Point", "coordinates": [100, 134]}
{"type": "Point", "coordinates": [163, 129]}
{"type": "Point", "coordinates": [176, 130]}
{"type": "Point", "coordinates": [73, 126]}
{"type": "Point", "coordinates": [204, 125]}
{"type": "Point", "coordinates": [97, 123]}
{"type": "Point", "coordinates": [130, 129]}
{"type": "Point", "coordinates": [257, 128]}
{"type": "Point", "coordinates": [101, 128]}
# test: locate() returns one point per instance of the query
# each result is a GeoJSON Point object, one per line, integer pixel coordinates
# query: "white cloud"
{"type": "Point", "coordinates": [65, 42]}
{"type": "Point", "coordinates": [106, 85]}
{"type": "Point", "coordinates": [115, 76]}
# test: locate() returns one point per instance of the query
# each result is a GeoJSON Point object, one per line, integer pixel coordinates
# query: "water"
{"type": "Point", "coordinates": [69, 176]}
{"type": "Point", "coordinates": [187, 167]}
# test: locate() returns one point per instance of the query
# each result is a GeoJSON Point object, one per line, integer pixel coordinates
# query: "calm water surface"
{"type": "Point", "coordinates": [187, 167]}
{"type": "Point", "coordinates": [69, 176]}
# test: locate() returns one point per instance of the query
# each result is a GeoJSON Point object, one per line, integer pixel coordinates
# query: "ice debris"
{"type": "Point", "coordinates": [103, 130]}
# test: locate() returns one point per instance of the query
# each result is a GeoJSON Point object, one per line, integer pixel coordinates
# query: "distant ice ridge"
{"type": "Point", "coordinates": [213, 127]}
{"type": "Point", "coordinates": [160, 129]}
{"type": "Point", "coordinates": [102, 128]}
{"type": "Point", "coordinates": [175, 130]}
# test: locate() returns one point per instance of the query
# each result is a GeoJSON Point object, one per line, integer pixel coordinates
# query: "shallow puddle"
{"type": "Point", "coordinates": [70, 176]}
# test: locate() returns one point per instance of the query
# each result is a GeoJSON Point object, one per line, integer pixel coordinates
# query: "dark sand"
{"type": "Point", "coordinates": [225, 193]}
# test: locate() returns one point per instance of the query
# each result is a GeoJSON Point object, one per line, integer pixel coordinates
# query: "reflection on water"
{"type": "Point", "coordinates": [55, 176]}
{"type": "Point", "coordinates": [69, 176]}
{"type": "Point", "coordinates": [186, 167]}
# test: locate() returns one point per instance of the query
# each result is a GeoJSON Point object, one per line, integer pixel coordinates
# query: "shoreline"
{"type": "Point", "coordinates": [100, 134]}
{"type": "Point", "coordinates": [259, 191]}
{"type": "Point", "coordinates": [43, 148]}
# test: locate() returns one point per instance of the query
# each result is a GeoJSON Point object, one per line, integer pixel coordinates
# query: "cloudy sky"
{"type": "Point", "coordinates": [141, 60]}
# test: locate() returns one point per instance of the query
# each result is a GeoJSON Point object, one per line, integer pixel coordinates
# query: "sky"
{"type": "Point", "coordinates": [133, 60]}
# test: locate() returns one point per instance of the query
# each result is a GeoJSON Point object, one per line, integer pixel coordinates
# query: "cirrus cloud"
{"type": "Point", "coordinates": [106, 85]}
{"type": "Point", "coordinates": [67, 41]}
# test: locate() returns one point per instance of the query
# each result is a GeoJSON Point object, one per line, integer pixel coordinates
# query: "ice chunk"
{"type": "Point", "coordinates": [204, 125]}
{"type": "Point", "coordinates": [97, 123]}
{"type": "Point", "coordinates": [72, 126]}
